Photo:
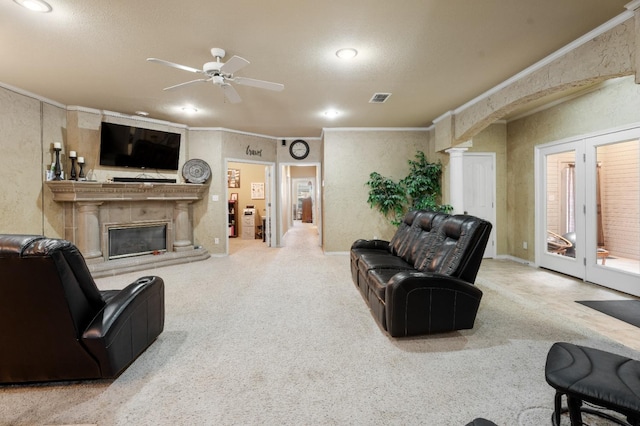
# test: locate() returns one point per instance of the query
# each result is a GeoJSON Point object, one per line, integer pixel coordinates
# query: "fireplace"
{"type": "Point", "coordinates": [120, 227]}
{"type": "Point", "coordinates": [137, 240]}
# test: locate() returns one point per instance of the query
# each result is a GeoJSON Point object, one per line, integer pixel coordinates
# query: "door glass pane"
{"type": "Point", "coordinates": [561, 208]}
{"type": "Point", "coordinates": [618, 206]}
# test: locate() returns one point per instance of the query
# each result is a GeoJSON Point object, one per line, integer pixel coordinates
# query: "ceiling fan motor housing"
{"type": "Point", "coordinates": [212, 68]}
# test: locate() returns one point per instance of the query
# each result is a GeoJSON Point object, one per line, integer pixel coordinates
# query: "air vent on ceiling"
{"type": "Point", "coordinates": [379, 98]}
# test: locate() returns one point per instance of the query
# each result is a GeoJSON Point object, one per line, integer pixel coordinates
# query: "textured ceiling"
{"type": "Point", "coordinates": [432, 55]}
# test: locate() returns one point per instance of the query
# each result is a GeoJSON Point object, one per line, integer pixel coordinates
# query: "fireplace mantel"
{"type": "Point", "coordinates": [92, 208]}
{"type": "Point", "coordinates": [74, 191]}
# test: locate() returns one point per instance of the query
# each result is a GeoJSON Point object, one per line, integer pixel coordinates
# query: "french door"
{"type": "Point", "coordinates": [587, 205]}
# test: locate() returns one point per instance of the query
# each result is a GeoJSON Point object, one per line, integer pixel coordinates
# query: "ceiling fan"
{"type": "Point", "coordinates": [221, 74]}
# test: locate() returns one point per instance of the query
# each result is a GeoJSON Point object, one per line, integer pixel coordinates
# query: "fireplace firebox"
{"type": "Point", "coordinates": [137, 240]}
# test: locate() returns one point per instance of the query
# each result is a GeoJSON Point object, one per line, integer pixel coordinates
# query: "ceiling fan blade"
{"type": "Point", "coordinates": [174, 65]}
{"type": "Point", "coordinates": [230, 93]}
{"type": "Point", "coordinates": [234, 64]}
{"type": "Point", "coordinates": [200, 80]}
{"type": "Point", "coordinates": [259, 83]}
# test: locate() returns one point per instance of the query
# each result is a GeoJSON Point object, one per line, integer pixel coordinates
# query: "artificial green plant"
{"type": "Point", "coordinates": [419, 190]}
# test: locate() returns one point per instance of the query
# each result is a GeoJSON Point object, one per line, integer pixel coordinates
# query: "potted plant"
{"type": "Point", "coordinates": [419, 190]}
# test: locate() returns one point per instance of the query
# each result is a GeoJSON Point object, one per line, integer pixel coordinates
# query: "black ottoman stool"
{"type": "Point", "coordinates": [601, 378]}
{"type": "Point", "coordinates": [481, 422]}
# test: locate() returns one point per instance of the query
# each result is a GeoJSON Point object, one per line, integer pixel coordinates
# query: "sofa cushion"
{"type": "Point", "coordinates": [369, 261]}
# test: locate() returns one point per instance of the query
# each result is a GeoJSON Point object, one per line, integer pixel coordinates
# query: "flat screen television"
{"type": "Point", "coordinates": [129, 146]}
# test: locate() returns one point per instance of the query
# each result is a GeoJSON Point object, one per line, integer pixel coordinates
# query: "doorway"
{"type": "Point", "coordinates": [251, 201]}
{"type": "Point", "coordinates": [300, 198]}
{"type": "Point", "coordinates": [587, 205]}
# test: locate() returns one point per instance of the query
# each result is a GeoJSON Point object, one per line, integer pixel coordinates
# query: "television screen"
{"type": "Point", "coordinates": [129, 146]}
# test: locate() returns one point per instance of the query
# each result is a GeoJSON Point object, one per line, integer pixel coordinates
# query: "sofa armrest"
{"type": "Point", "coordinates": [370, 244]}
{"type": "Point", "coordinates": [128, 323]}
{"type": "Point", "coordinates": [424, 303]}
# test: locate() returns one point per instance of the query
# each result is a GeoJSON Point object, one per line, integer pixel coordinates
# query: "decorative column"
{"type": "Point", "coordinates": [88, 235]}
{"type": "Point", "coordinates": [182, 228]}
{"type": "Point", "coordinates": [456, 179]}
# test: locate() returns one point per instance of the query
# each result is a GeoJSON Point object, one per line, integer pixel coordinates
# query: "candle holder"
{"type": "Point", "coordinates": [81, 164]}
{"type": "Point", "coordinates": [58, 168]}
{"type": "Point", "coordinates": [72, 174]}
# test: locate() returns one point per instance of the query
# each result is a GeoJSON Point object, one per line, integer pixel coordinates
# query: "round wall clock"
{"type": "Point", "coordinates": [299, 149]}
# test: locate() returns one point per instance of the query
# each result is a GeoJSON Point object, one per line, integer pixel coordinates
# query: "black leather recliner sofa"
{"type": "Point", "coordinates": [421, 282]}
{"type": "Point", "coordinates": [56, 325]}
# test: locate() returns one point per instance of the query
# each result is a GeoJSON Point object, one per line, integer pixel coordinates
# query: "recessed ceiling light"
{"type": "Point", "coordinates": [347, 53]}
{"type": "Point", "coordinates": [142, 113]}
{"type": "Point", "coordinates": [331, 113]}
{"type": "Point", "coordinates": [35, 5]}
{"type": "Point", "coordinates": [190, 109]}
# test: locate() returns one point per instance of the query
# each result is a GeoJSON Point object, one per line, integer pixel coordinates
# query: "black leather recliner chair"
{"type": "Point", "coordinates": [56, 325]}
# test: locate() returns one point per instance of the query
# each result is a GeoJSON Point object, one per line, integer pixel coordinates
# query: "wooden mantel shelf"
{"type": "Point", "coordinates": [75, 191]}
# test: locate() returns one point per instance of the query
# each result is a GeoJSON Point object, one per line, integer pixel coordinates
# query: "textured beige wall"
{"type": "Point", "coordinates": [615, 104]}
{"type": "Point", "coordinates": [29, 129]}
{"type": "Point", "coordinates": [209, 217]}
{"type": "Point", "coordinates": [349, 158]}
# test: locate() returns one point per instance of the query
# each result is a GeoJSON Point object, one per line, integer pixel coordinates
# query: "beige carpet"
{"type": "Point", "coordinates": [282, 337]}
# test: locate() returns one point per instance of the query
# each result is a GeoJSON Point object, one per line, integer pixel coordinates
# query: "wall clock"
{"type": "Point", "coordinates": [299, 149]}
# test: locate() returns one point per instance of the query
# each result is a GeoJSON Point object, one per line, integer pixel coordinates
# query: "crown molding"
{"type": "Point", "coordinates": [633, 5]}
{"type": "Point", "coordinates": [32, 95]}
{"type": "Point", "coordinates": [377, 129]}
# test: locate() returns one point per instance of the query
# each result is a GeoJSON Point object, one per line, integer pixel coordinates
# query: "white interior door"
{"type": "Point", "coordinates": [479, 191]}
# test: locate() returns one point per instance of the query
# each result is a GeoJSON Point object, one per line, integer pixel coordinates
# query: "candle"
{"type": "Point", "coordinates": [80, 160]}
{"type": "Point", "coordinates": [57, 145]}
{"type": "Point", "coordinates": [72, 154]}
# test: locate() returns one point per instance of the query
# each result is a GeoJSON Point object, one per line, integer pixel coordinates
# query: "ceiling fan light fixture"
{"type": "Point", "coordinates": [35, 5]}
{"type": "Point", "coordinates": [347, 53]}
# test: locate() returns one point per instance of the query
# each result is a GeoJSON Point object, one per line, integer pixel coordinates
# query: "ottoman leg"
{"type": "Point", "coordinates": [575, 415]}
{"type": "Point", "coordinates": [557, 409]}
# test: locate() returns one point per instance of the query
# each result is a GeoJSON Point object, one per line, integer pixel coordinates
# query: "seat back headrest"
{"type": "Point", "coordinates": [463, 241]}
{"type": "Point", "coordinates": [13, 245]}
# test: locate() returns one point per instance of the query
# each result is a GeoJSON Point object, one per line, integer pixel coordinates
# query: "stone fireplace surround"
{"type": "Point", "coordinates": [92, 208]}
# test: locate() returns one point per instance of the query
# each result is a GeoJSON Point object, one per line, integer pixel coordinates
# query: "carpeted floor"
{"type": "Point", "coordinates": [282, 337]}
